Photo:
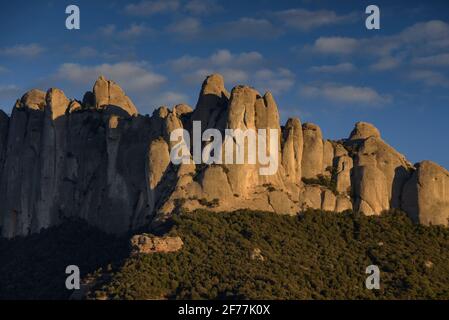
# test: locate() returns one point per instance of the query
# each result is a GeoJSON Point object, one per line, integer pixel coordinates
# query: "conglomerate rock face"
{"type": "Point", "coordinates": [426, 194]}
{"type": "Point", "coordinates": [99, 160]}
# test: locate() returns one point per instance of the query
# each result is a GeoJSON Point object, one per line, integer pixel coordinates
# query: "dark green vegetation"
{"type": "Point", "coordinates": [34, 267]}
{"type": "Point", "coordinates": [316, 255]}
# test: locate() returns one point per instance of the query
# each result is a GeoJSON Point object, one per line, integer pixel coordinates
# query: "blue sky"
{"type": "Point", "coordinates": [317, 58]}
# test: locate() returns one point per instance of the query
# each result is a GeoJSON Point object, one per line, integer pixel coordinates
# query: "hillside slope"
{"type": "Point", "coordinates": [317, 255]}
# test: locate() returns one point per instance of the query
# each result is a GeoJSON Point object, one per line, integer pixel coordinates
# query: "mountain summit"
{"type": "Point", "coordinates": [99, 160]}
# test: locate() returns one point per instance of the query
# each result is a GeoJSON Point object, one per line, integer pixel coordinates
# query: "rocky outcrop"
{"type": "Point", "coordinates": [371, 190]}
{"type": "Point", "coordinates": [99, 160]}
{"type": "Point", "coordinates": [85, 163]}
{"type": "Point", "coordinates": [426, 195]}
{"type": "Point", "coordinates": [312, 160]}
{"type": "Point", "coordinates": [364, 130]}
{"type": "Point", "coordinates": [4, 125]}
{"type": "Point", "coordinates": [344, 165]}
{"type": "Point", "coordinates": [379, 161]}
{"type": "Point", "coordinates": [212, 103]}
{"type": "Point", "coordinates": [147, 244]}
{"type": "Point", "coordinates": [328, 158]}
{"type": "Point", "coordinates": [293, 150]}
{"type": "Point", "coordinates": [256, 254]}
{"type": "Point", "coordinates": [108, 95]}
{"type": "Point", "coordinates": [33, 100]}
{"type": "Point", "coordinates": [20, 181]}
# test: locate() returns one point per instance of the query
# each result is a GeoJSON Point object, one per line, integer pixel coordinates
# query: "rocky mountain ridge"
{"type": "Point", "coordinates": [100, 160]}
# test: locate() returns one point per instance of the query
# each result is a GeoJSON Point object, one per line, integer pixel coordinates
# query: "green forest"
{"type": "Point", "coordinates": [314, 255]}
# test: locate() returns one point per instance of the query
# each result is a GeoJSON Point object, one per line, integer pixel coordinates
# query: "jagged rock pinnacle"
{"type": "Point", "coordinates": [364, 130]}
{"type": "Point", "coordinates": [33, 99]}
{"type": "Point", "coordinates": [108, 94]}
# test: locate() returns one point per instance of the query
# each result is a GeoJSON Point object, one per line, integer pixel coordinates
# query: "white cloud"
{"type": "Point", "coordinates": [430, 32]}
{"type": "Point", "coordinates": [275, 81]}
{"type": "Point", "coordinates": [148, 8]}
{"type": "Point", "coordinates": [8, 88]}
{"type": "Point", "coordinates": [23, 50]}
{"type": "Point", "coordinates": [170, 98]}
{"type": "Point", "coordinates": [338, 68]}
{"type": "Point", "coordinates": [88, 52]}
{"type": "Point", "coordinates": [248, 58]}
{"type": "Point", "coordinates": [234, 75]}
{"type": "Point", "coordinates": [265, 27]}
{"type": "Point", "coordinates": [133, 77]}
{"type": "Point", "coordinates": [191, 28]}
{"type": "Point", "coordinates": [3, 70]}
{"type": "Point", "coordinates": [184, 63]}
{"type": "Point", "coordinates": [231, 76]}
{"type": "Point", "coordinates": [417, 40]}
{"type": "Point", "coordinates": [386, 63]}
{"type": "Point", "coordinates": [107, 30]}
{"type": "Point", "coordinates": [134, 31]}
{"type": "Point", "coordinates": [346, 94]}
{"type": "Point", "coordinates": [187, 27]}
{"type": "Point", "coordinates": [247, 27]}
{"type": "Point", "coordinates": [439, 60]}
{"type": "Point", "coordinates": [153, 7]}
{"type": "Point", "coordinates": [335, 45]}
{"type": "Point", "coordinates": [202, 7]}
{"type": "Point", "coordinates": [301, 19]}
{"type": "Point", "coordinates": [429, 78]}
{"type": "Point", "coordinates": [237, 68]}
{"type": "Point", "coordinates": [233, 67]}
{"type": "Point", "coordinates": [220, 58]}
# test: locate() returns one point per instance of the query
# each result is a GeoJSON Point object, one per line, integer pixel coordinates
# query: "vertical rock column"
{"type": "Point", "coordinates": [292, 151]}
{"type": "Point", "coordinates": [4, 124]}
{"type": "Point", "coordinates": [426, 195]}
{"type": "Point", "coordinates": [312, 159]}
{"type": "Point", "coordinates": [53, 153]}
{"type": "Point", "coordinates": [20, 180]}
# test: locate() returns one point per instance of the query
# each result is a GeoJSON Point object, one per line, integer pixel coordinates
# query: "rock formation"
{"type": "Point", "coordinates": [147, 244]}
{"type": "Point", "coordinates": [426, 194]}
{"type": "Point", "coordinates": [99, 160]}
{"type": "Point", "coordinates": [60, 162]}
{"type": "Point", "coordinates": [313, 154]}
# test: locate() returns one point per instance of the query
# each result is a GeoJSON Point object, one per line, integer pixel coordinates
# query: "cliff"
{"type": "Point", "coordinates": [99, 160]}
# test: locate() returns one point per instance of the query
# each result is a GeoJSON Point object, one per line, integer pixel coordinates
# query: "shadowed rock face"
{"type": "Point", "coordinates": [101, 161]}
{"type": "Point", "coordinates": [59, 163]}
{"type": "Point", "coordinates": [426, 194]}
